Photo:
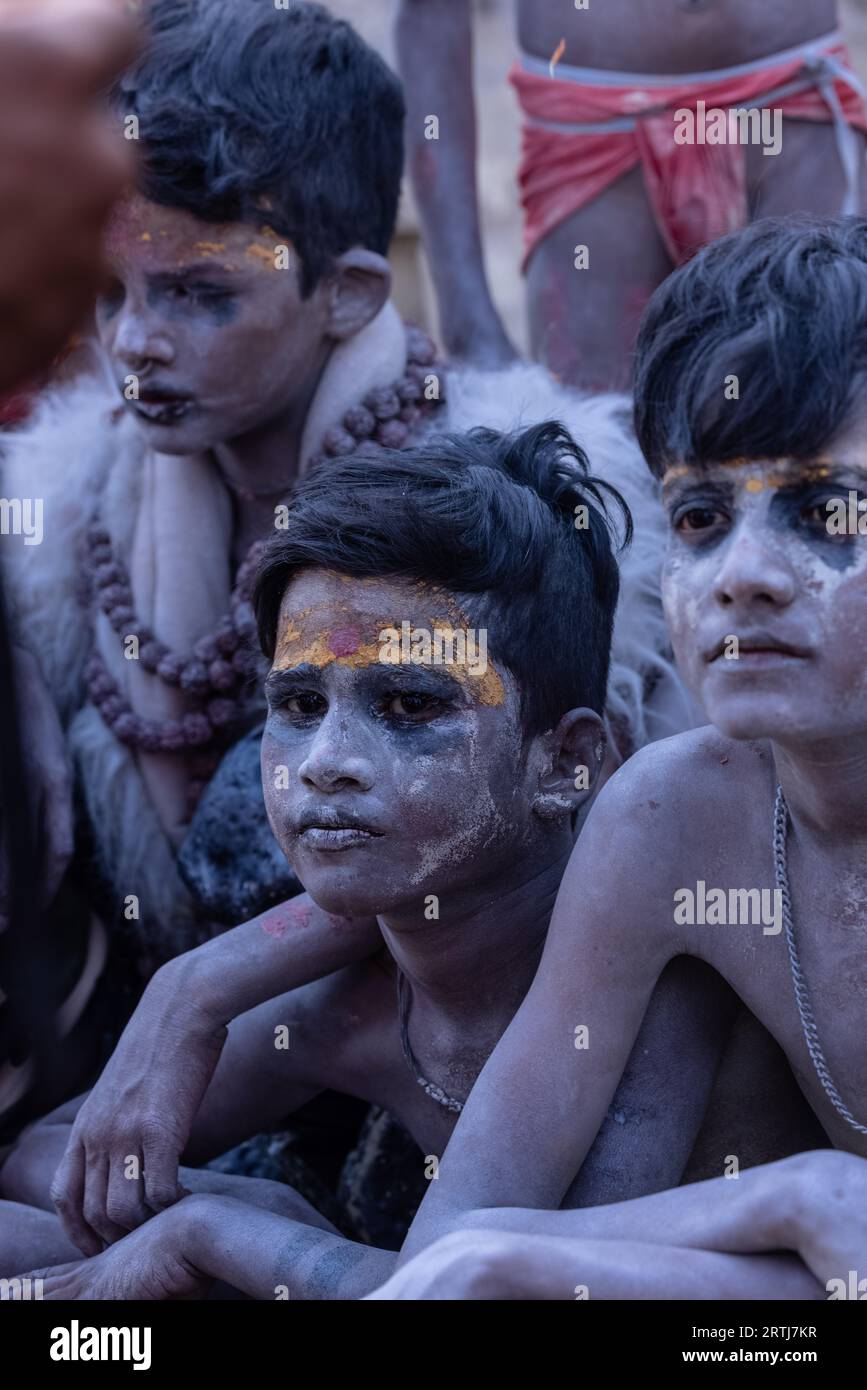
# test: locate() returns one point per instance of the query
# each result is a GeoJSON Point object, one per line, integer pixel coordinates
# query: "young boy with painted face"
{"type": "Point", "coordinates": [247, 311]}
{"type": "Point", "coordinates": [247, 328]}
{"type": "Point", "coordinates": [246, 332]}
{"type": "Point", "coordinates": [361, 753]}
{"type": "Point", "coordinates": [431, 739]}
{"type": "Point", "coordinates": [767, 604]}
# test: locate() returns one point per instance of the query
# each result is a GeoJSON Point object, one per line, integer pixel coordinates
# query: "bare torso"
{"type": "Point", "coordinates": [583, 326]}
{"type": "Point", "coordinates": [726, 842]}
{"type": "Point", "coordinates": [343, 1035]}
{"type": "Point", "coordinates": [670, 36]}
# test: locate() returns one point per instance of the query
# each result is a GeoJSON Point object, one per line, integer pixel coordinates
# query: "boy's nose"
{"type": "Point", "coordinates": [139, 340]}
{"type": "Point", "coordinates": [753, 570]}
{"type": "Point", "coordinates": [332, 765]}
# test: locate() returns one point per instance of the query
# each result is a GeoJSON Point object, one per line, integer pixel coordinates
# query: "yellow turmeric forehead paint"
{"type": "Point", "coordinates": [314, 639]}
{"type": "Point", "coordinates": [819, 468]}
{"type": "Point", "coordinates": [173, 232]}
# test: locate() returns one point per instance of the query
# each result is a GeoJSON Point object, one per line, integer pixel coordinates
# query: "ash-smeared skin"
{"type": "Point", "coordinates": [446, 787]}
{"type": "Point", "coordinates": [314, 1264]}
{"type": "Point", "coordinates": [201, 309]}
{"type": "Point", "coordinates": [699, 807]}
{"type": "Point", "coordinates": [468, 810]}
{"type": "Point", "coordinates": [769, 518]}
{"type": "Point", "coordinates": [568, 308]}
{"type": "Point", "coordinates": [336, 1261]}
{"type": "Point", "coordinates": [671, 36]}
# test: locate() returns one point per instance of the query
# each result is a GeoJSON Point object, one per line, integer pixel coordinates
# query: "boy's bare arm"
{"type": "Point", "coordinates": [435, 60]}
{"type": "Point", "coordinates": [268, 1257]}
{"type": "Point", "coordinates": [656, 1115]}
{"type": "Point", "coordinates": [205, 1237]}
{"type": "Point", "coordinates": [727, 1232]}
{"type": "Point", "coordinates": [811, 1204]}
{"type": "Point", "coordinates": [146, 1100]}
{"type": "Point", "coordinates": [728, 1236]}
{"type": "Point", "coordinates": [540, 1100]}
{"type": "Point", "coordinates": [485, 1265]}
{"type": "Point", "coordinates": [276, 1058]}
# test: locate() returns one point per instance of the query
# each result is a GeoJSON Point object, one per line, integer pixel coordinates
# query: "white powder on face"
{"type": "Point", "coordinates": [473, 822]}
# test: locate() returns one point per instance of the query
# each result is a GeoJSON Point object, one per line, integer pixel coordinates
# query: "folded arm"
{"type": "Point", "coordinates": [540, 1100]}
{"type": "Point", "coordinates": [253, 1249]}
{"type": "Point", "coordinates": [145, 1102]}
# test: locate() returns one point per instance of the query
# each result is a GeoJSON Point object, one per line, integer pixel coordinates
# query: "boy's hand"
{"type": "Point", "coordinates": [61, 168]}
{"type": "Point", "coordinates": [150, 1264]}
{"type": "Point", "coordinates": [121, 1162]}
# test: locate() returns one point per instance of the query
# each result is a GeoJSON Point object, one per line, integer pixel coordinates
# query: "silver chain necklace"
{"type": "Point", "coordinates": [802, 996]}
{"type": "Point", "coordinates": [430, 1088]}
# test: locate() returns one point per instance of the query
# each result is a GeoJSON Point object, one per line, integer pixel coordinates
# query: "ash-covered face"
{"type": "Point", "coordinates": [211, 324]}
{"type": "Point", "coordinates": [387, 781]}
{"type": "Point", "coordinates": [769, 553]}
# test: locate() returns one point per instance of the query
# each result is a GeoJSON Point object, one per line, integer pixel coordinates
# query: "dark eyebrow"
{"type": "Point", "coordinates": [203, 269]}
{"type": "Point", "coordinates": [435, 677]}
{"type": "Point", "coordinates": [277, 683]}
{"type": "Point", "coordinates": [714, 482]}
{"type": "Point", "coordinates": [832, 480]}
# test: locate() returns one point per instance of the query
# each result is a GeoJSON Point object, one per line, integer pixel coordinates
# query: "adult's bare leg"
{"type": "Point", "coordinates": [435, 60]}
{"type": "Point", "coordinates": [583, 322]}
{"type": "Point", "coordinates": [806, 176]}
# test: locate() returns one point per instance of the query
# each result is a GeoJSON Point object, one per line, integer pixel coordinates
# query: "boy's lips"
{"type": "Point", "coordinates": [347, 837]}
{"type": "Point", "coordinates": [756, 648]}
{"type": "Point", "coordinates": [161, 407]}
{"type": "Point", "coordinates": [331, 830]}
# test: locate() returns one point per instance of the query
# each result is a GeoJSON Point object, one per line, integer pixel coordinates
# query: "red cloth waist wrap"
{"type": "Point", "coordinates": [697, 191]}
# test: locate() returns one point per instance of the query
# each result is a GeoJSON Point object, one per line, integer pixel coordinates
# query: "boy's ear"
{"type": "Point", "coordinates": [576, 751]}
{"type": "Point", "coordinates": [360, 283]}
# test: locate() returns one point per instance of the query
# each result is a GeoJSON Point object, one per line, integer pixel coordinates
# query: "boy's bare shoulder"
{"type": "Point", "coordinates": [685, 778]}
{"type": "Point", "coordinates": [651, 830]}
{"type": "Point", "coordinates": [657, 818]}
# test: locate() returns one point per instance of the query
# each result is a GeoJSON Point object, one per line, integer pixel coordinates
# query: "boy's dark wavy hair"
{"type": "Point", "coordinates": [281, 117]}
{"type": "Point", "coordinates": [782, 306]}
{"type": "Point", "coordinates": [489, 517]}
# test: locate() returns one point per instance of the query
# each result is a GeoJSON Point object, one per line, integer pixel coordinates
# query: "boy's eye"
{"type": "Point", "coordinates": [196, 294]}
{"type": "Point", "coordinates": [697, 519]}
{"type": "Point", "coordinates": [412, 704]}
{"type": "Point", "coordinates": [820, 515]}
{"type": "Point", "coordinates": [306, 704]}
{"type": "Point", "coordinates": [815, 514]}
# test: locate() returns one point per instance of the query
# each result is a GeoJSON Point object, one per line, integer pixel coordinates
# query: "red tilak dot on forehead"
{"type": "Point", "coordinates": [345, 641]}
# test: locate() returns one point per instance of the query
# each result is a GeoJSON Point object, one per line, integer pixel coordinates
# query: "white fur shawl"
{"type": "Point", "coordinates": [75, 452]}
{"type": "Point", "coordinates": [525, 394]}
